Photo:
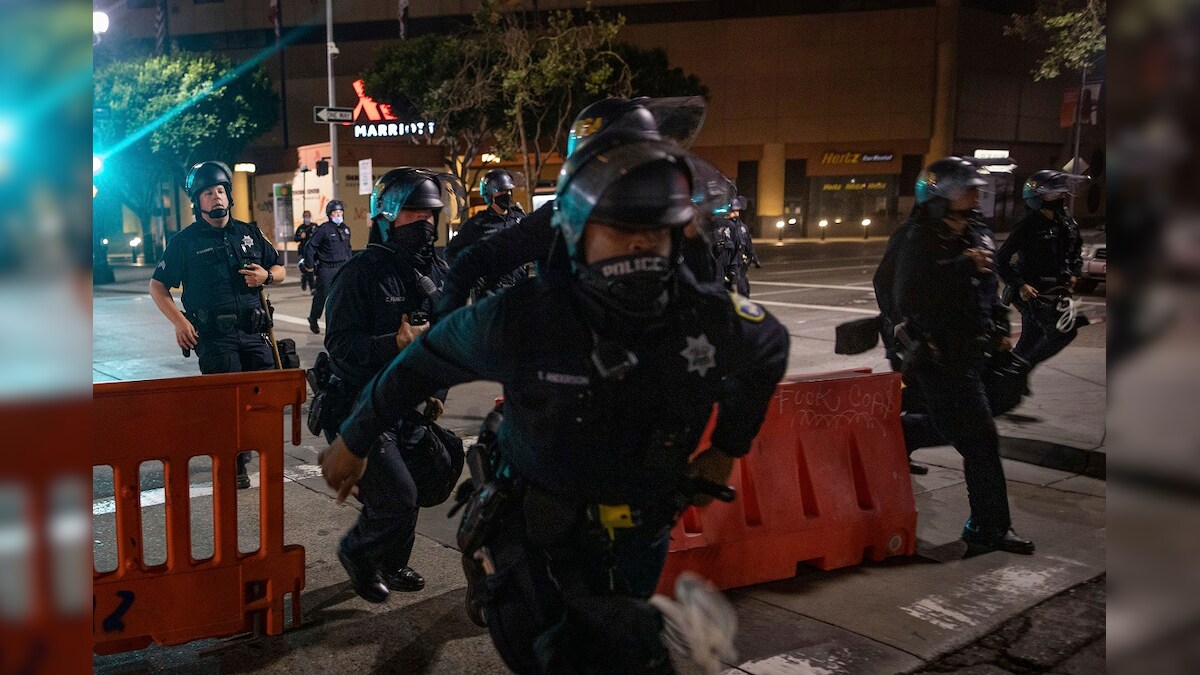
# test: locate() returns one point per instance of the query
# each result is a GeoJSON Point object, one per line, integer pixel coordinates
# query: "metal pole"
{"type": "Point", "coordinates": [329, 50]}
{"type": "Point", "coordinates": [1078, 132]}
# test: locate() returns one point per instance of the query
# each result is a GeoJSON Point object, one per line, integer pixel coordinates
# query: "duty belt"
{"type": "Point", "coordinates": [253, 320]}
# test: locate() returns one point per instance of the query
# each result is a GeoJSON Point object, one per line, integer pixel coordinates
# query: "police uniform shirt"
{"type": "Point", "coordinates": [939, 289]}
{"type": "Point", "coordinates": [479, 226]}
{"type": "Point", "coordinates": [1048, 252]}
{"type": "Point", "coordinates": [367, 300]}
{"type": "Point", "coordinates": [566, 428]}
{"type": "Point", "coordinates": [207, 261]}
{"type": "Point", "coordinates": [329, 244]}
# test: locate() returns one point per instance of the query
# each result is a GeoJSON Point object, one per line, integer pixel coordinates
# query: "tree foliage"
{"type": "Point", "coordinates": [511, 83]}
{"type": "Point", "coordinates": [196, 106]}
{"type": "Point", "coordinates": [449, 80]}
{"type": "Point", "coordinates": [1073, 32]}
{"type": "Point", "coordinates": [550, 72]}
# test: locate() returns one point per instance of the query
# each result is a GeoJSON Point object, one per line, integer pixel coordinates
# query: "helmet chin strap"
{"type": "Point", "coordinates": [216, 213]}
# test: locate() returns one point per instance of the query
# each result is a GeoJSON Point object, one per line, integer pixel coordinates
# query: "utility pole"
{"type": "Point", "coordinates": [331, 50]}
{"type": "Point", "coordinates": [1078, 131]}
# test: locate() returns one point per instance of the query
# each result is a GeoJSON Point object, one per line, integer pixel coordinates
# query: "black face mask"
{"type": "Point", "coordinates": [504, 201]}
{"type": "Point", "coordinates": [414, 236]}
{"type": "Point", "coordinates": [634, 283]}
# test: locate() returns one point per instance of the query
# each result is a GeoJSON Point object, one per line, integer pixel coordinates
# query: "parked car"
{"type": "Point", "coordinates": [1095, 260]}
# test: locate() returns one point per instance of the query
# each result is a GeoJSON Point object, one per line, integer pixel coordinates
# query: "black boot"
{"type": "Point", "coordinates": [312, 325]}
{"type": "Point", "coordinates": [363, 577]}
{"type": "Point", "coordinates": [986, 540]}
{"type": "Point", "coordinates": [243, 478]}
{"type": "Point", "coordinates": [473, 603]}
{"type": "Point", "coordinates": [404, 580]}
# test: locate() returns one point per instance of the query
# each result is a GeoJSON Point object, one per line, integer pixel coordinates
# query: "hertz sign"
{"type": "Point", "coordinates": [844, 158]}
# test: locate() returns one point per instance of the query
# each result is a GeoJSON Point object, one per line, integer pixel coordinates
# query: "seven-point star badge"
{"type": "Point", "coordinates": [247, 242]}
{"type": "Point", "coordinates": [700, 354]}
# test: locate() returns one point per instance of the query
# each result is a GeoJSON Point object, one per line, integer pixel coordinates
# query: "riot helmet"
{"type": "Point", "coordinates": [1047, 182]}
{"type": "Point", "coordinates": [496, 180]}
{"type": "Point", "coordinates": [714, 196]}
{"type": "Point", "coordinates": [638, 186]}
{"type": "Point", "coordinates": [948, 178]}
{"type": "Point", "coordinates": [334, 205]}
{"type": "Point", "coordinates": [409, 188]}
{"type": "Point", "coordinates": [204, 175]}
{"type": "Point", "coordinates": [613, 120]}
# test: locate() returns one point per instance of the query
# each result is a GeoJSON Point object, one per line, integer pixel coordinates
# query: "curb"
{"type": "Point", "coordinates": [1091, 463]}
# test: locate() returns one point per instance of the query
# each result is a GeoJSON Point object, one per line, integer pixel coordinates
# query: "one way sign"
{"type": "Point", "coordinates": [323, 114]}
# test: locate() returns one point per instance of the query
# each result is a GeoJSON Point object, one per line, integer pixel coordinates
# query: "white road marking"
{"type": "Point", "coordinates": [830, 308]}
{"type": "Point", "coordinates": [158, 495]}
{"type": "Point", "coordinates": [827, 269]}
{"type": "Point", "coordinates": [861, 289]}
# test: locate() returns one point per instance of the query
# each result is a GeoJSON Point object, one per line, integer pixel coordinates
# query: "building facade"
{"type": "Point", "coordinates": [823, 111]}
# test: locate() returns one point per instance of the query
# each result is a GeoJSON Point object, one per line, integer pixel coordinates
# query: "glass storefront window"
{"type": "Point", "coordinates": [844, 201]}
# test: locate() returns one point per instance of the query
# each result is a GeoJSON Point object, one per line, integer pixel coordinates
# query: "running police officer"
{"type": "Point", "coordinates": [376, 308]}
{"type": "Point", "coordinates": [594, 452]}
{"type": "Point", "coordinates": [610, 120]}
{"type": "Point", "coordinates": [327, 250]}
{"type": "Point", "coordinates": [223, 265]}
{"type": "Point", "coordinates": [946, 293]}
{"type": "Point", "coordinates": [502, 212]}
{"type": "Point", "coordinates": [1047, 246]}
{"type": "Point", "coordinates": [308, 279]}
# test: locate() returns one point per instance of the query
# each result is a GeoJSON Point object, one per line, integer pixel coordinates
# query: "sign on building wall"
{"type": "Point", "coordinates": [366, 181]}
{"type": "Point", "coordinates": [373, 119]}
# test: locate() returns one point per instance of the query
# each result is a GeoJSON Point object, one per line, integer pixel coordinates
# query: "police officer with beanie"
{"type": "Point", "coordinates": [327, 250]}
{"type": "Point", "coordinates": [223, 265]}
{"type": "Point", "coordinates": [533, 239]}
{"type": "Point", "coordinates": [610, 367]}
{"type": "Point", "coordinates": [946, 295]}
{"type": "Point", "coordinates": [375, 305]}
{"type": "Point", "coordinates": [496, 188]}
{"type": "Point", "coordinates": [1048, 249]}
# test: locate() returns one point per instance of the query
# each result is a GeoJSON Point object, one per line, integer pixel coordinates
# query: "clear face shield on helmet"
{"type": "Point", "coordinates": [411, 190]}
{"type": "Point", "coordinates": [713, 194]}
{"type": "Point", "coordinates": [512, 182]}
{"type": "Point", "coordinates": [678, 119]}
{"type": "Point", "coordinates": [580, 188]}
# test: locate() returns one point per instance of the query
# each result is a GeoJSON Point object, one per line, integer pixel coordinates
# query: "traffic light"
{"type": "Point", "coordinates": [323, 166]}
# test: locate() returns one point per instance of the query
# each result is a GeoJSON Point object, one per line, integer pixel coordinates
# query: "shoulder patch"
{"type": "Point", "coordinates": [746, 309]}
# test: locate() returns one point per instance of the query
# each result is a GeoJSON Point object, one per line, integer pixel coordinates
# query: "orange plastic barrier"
{"type": "Point", "coordinates": [43, 520]}
{"type": "Point", "coordinates": [826, 482]}
{"type": "Point", "coordinates": [174, 420]}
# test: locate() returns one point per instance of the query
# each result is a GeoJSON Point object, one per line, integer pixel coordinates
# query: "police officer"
{"type": "Point", "coordinates": [308, 279]}
{"type": "Point", "coordinates": [1048, 248]}
{"type": "Point", "coordinates": [375, 305]}
{"type": "Point", "coordinates": [223, 265]}
{"type": "Point", "coordinates": [605, 122]}
{"type": "Point", "coordinates": [725, 251]}
{"type": "Point", "coordinates": [585, 355]}
{"type": "Point", "coordinates": [743, 251]}
{"type": "Point", "coordinates": [496, 188]}
{"type": "Point", "coordinates": [327, 250]}
{"type": "Point", "coordinates": [946, 293]}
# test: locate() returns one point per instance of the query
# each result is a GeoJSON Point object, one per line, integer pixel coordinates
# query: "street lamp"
{"type": "Point", "coordinates": [99, 26]}
{"type": "Point", "coordinates": [823, 224]}
{"type": "Point", "coordinates": [866, 223]}
{"type": "Point", "coordinates": [133, 244]}
{"type": "Point", "coordinates": [779, 226]}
